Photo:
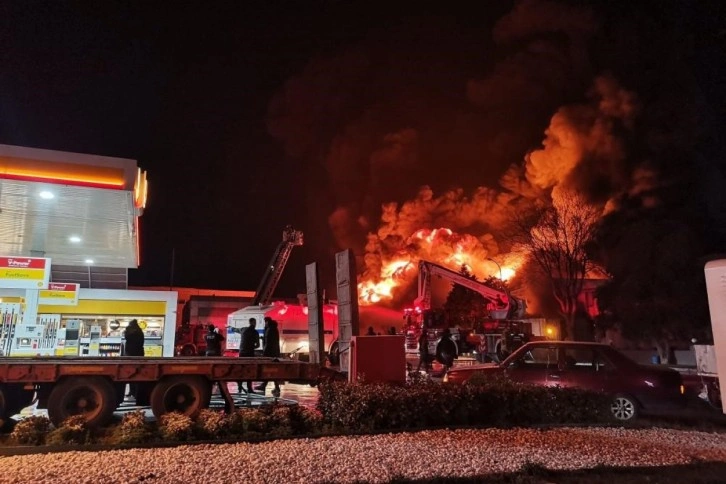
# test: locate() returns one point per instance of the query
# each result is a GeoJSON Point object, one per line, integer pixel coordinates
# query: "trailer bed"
{"type": "Point", "coordinates": [140, 369]}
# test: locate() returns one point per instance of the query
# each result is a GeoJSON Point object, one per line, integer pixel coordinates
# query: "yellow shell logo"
{"type": "Point", "coordinates": [40, 284]}
{"type": "Point", "coordinates": [142, 324]}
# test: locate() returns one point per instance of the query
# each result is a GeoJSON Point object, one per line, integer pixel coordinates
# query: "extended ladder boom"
{"type": "Point", "coordinates": [501, 305]}
{"type": "Point", "coordinates": [273, 272]}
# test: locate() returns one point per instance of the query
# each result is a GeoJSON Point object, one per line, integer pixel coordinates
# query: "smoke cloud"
{"type": "Point", "coordinates": [584, 147]}
{"type": "Point", "coordinates": [430, 139]}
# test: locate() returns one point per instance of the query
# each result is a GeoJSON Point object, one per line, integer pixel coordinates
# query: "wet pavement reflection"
{"type": "Point", "coordinates": [290, 393]}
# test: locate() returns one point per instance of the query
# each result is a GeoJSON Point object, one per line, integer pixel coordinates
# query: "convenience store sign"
{"type": "Point", "coordinates": [24, 272]}
{"type": "Point", "coordinates": [59, 294]}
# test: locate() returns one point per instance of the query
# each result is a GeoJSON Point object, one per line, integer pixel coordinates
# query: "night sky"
{"type": "Point", "coordinates": [249, 116]}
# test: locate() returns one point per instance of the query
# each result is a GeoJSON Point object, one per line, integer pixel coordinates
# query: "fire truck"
{"type": "Point", "coordinates": [189, 339]}
{"type": "Point", "coordinates": [505, 331]}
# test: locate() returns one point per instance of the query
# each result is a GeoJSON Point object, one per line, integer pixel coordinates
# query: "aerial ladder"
{"type": "Point", "coordinates": [500, 306]}
{"type": "Point", "coordinates": [190, 338]}
{"type": "Point", "coordinates": [274, 270]}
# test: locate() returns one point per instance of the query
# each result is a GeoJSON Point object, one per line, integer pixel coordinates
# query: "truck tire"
{"type": "Point", "coordinates": [186, 394]}
{"type": "Point", "coordinates": [92, 397]}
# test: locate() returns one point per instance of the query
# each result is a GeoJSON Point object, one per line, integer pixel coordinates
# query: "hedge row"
{"type": "Point", "coordinates": [364, 407]}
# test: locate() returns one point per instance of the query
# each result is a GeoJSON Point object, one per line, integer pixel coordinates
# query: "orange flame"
{"type": "Point", "coordinates": [442, 246]}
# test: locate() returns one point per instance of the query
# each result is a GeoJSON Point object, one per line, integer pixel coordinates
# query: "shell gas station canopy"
{"type": "Point", "coordinates": [79, 210]}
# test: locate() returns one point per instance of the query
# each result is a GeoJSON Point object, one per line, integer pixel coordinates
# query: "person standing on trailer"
{"type": "Point", "coordinates": [134, 339]}
{"type": "Point", "coordinates": [272, 350]}
{"type": "Point", "coordinates": [214, 341]}
{"type": "Point", "coordinates": [133, 346]}
{"type": "Point", "coordinates": [250, 342]}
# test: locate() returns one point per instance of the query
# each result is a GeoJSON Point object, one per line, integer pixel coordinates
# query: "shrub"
{"type": "Point", "coordinates": [305, 421]}
{"type": "Point", "coordinates": [211, 424]}
{"type": "Point", "coordinates": [73, 430]}
{"type": "Point", "coordinates": [235, 424]}
{"type": "Point", "coordinates": [254, 421]}
{"type": "Point", "coordinates": [133, 429]}
{"type": "Point", "coordinates": [279, 420]}
{"type": "Point", "coordinates": [490, 402]}
{"type": "Point", "coordinates": [31, 430]}
{"type": "Point", "coordinates": [175, 427]}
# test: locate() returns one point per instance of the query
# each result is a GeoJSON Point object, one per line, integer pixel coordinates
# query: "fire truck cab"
{"type": "Point", "coordinates": [189, 340]}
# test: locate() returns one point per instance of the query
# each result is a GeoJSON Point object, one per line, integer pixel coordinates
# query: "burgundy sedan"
{"type": "Point", "coordinates": [589, 366]}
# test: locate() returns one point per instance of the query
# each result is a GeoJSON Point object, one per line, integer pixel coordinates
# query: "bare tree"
{"type": "Point", "coordinates": [556, 238]}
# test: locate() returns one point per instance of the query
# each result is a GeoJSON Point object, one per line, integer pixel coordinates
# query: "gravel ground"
{"type": "Point", "coordinates": [376, 458]}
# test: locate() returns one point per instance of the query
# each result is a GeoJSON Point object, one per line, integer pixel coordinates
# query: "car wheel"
{"type": "Point", "coordinates": [624, 408]}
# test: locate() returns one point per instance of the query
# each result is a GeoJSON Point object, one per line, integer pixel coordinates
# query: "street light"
{"type": "Point", "coordinates": [500, 267]}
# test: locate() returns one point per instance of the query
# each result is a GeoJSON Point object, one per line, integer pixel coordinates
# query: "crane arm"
{"type": "Point", "coordinates": [273, 271]}
{"type": "Point", "coordinates": [501, 305]}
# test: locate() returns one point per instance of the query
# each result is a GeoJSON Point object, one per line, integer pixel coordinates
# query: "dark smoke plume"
{"type": "Point", "coordinates": [441, 125]}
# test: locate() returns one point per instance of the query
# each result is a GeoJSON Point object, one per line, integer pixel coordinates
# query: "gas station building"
{"type": "Point", "coordinates": [69, 233]}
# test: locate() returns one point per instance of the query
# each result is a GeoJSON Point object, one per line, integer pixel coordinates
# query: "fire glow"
{"type": "Point", "coordinates": [443, 246]}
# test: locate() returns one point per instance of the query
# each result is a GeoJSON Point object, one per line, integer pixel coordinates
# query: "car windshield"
{"type": "Point", "coordinates": [620, 359]}
{"type": "Point", "coordinates": [547, 354]}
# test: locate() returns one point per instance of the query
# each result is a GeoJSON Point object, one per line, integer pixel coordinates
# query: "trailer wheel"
{"type": "Point", "coordinates": [92, 397]}
{"type": "Point", "coordinates": [186, 394]}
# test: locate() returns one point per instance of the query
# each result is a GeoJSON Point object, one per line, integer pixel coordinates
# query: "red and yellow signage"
{"type": "Point", "coordinates": [66, 173]}
{"type": "Point", "coordinates": [141, 189]}
{"type": "Point", "coordinates": [24, 272]}
{"type": "Point", "coordinates": [59, 294]}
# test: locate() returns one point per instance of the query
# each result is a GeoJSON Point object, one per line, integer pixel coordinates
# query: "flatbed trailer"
{"type": "Point", "coordinates": [95, 387]}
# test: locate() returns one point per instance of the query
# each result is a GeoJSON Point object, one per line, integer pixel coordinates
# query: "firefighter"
{"type": "Point", "coordinates": [214, 341]}
{"type": "Point", "coordinates": [423, 351]}
{"type": "Point", "coordinates": [446, 350]}
{"type": "Point", "coordinates": [271, 349]}
{"type": "Point", "coordinates": [250, 342]}
{"type": "Point", "coordinates": [481, 349]}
